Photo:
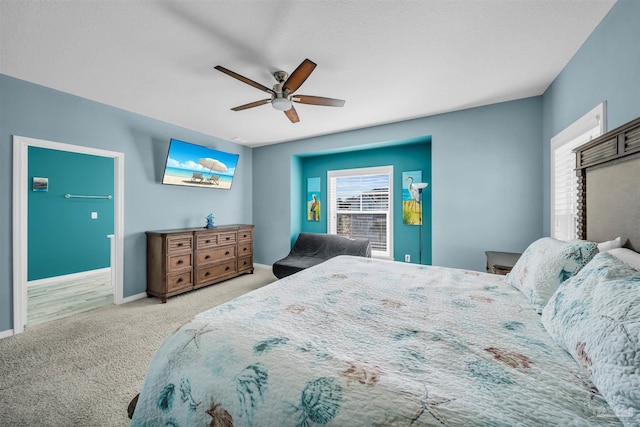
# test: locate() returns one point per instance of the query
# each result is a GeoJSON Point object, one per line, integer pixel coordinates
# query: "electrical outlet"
{"type": "Point", "coordinates": [407, 258]}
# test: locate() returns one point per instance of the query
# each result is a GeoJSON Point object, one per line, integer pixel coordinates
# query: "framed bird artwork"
{"type": "Point", "coordinates": [411, 192]}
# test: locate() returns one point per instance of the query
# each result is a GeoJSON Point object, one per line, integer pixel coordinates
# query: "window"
{"type": "Point", "coordinates": [564, 182]}
{"type": "Point", "coordinates": [360, 202]}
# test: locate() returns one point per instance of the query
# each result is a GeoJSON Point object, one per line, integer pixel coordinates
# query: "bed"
{"type": "Point", "coordinates": [364, 342]}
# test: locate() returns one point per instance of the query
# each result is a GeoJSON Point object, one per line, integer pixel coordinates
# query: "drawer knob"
{"type": "Point", "coordinates": [244, 249]}
{"type": "Point", "coordinates": [180, 261]}
{"type": "Point", "coordinates": [226, 253]}
{"type": "Point", "coordinates": [180, 280]}
{"type": "Point", "coordinates": [227, 269]}
{"type": "Point", "coordinates": [207, 273]}
{"type": "Point", "coordinates": [208, 241]}
{"type": "Point", "coordinates": [180, 245]}
{"type": "Point", "coordinates": [207, 257]}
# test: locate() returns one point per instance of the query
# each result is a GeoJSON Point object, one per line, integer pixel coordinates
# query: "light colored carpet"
{"type": "Point", "coordinates": [84, 370]}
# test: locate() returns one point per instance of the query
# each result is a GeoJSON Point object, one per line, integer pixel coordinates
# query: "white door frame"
{"type": "Point", "coordinates": [21, 146]}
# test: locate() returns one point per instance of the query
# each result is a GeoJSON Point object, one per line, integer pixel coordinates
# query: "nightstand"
{"type": "Point", "coordinates": [501, 262]}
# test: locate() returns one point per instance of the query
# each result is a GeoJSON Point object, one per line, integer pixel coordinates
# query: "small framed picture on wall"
{"type": "Point", "coordinates": [40, 184]}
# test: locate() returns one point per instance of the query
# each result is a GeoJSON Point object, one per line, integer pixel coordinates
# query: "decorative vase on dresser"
{"type": "Point", "coordinates": [185, 259]}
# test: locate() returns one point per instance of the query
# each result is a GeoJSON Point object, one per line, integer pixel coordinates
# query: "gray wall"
{"type": "Point", "coordinates": [38, 112]}
{"type": "Point", "coordinates": [486, 181]}
{"type": "Point", "coordinates": [605, 68]}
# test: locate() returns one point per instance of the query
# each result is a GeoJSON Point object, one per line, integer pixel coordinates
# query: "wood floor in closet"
{"type": "Point", "coordinates": [55, 300]}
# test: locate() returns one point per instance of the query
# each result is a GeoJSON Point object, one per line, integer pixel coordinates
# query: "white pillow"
{"type": "Point", "coordinates": [627, 255]}
{"type": "Point", "coordinates": [610, 244]}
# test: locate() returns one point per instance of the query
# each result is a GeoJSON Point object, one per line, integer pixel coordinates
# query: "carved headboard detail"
{"type": "Point", "coordinates": [608, 170]}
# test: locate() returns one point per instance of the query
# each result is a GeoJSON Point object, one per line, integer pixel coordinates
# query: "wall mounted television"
{"type": "Point", "coordinates": [198, 166]}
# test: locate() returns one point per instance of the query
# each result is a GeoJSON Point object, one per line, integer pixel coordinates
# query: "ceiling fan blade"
{"type": "Point", "coordinates": [298, 76]}
{"type": "Point", "coordinates": [252, 104]}
{"type": "Point", "coordinates": [318, 100]}
{"type": "Point", "coordinates": [292, 114]}
{"type": "Point", "coordinates": [244, 79]}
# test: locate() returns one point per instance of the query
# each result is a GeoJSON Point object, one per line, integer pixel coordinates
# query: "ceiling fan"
{"type": "Point", "coordinates": [282, 94]}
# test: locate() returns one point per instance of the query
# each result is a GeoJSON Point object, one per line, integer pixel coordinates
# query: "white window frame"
{"type": "Point", "coordinates": [589, 126]}
{"type": "Point", "coordinates": [332, 217]}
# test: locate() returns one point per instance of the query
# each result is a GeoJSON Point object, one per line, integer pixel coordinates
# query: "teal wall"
{"type": "Point", "coordinates": [605, 68]}
{"type": "Point", "coordinates": [406, 156]}
{"type": "Point", "coordinates": [38, 112]}
{"type": "Point", "coordinates": [486, 181]}
{"type": "Point", "coordinates": [63, 239]}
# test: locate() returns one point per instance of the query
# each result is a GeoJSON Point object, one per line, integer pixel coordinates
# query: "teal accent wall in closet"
{"type": "Point", "coordinates": [63, 237]}
{"type": "Point", "coordinates": [410, 155]}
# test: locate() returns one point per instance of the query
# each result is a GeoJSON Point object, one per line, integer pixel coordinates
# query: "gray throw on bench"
{"type": "Point", "coordinates": [312, 248]}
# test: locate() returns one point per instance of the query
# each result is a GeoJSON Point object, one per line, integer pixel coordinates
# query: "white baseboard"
{"type": "Point", "coordinates": [68, 277]}
{"type": "Point", "coordinates": [255, 264]}
{"type": "Point", "coordinates": [6, 334]}
{"type": "Point", "coordinates": [144, 294]}
{"type": "Point", "coordinates": [134, 297]}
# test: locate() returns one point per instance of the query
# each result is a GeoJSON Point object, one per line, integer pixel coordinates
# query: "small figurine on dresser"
{"type": "Point", "coordinates": [210, 221]}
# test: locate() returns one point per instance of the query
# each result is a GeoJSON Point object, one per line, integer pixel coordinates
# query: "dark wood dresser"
{"type": "Point", "coordinates": [185, 259]}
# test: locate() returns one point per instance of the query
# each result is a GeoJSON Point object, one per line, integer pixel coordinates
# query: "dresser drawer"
{"type": "Point", "coordinates": [216, 254]}
{"type": "Point", "coordinates": [217, 271]}
{"type": "Point", "coordinates": [176, 282]}
{"type": "Point", "coordinates": [245, 249]}
{"type": "Point", "coordinates": [227, 238]}
{"type": "Point", "coordinates": [245, 263]}
{"type": "Point", "coordinates": [245, 235]}
{"type": "Point", "coordinates": [207, 240]}
{"type": "Point", "coordinates": [179, 262]}
{"type": "Point", "coordinates": [179, 243]}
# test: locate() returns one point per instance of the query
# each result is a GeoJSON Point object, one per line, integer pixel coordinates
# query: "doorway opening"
{"type": "Point", "coordinates": [21, 190]}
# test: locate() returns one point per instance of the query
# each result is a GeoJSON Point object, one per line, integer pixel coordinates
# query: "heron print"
{"type": "Point", "coordinates": [411, 182]}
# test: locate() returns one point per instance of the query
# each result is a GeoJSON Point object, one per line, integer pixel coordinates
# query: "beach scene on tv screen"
{"type": "Point", "coordinates": [199, 166]}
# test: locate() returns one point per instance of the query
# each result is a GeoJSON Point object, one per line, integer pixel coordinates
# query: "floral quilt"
{"type": "Point", "coordinates": [362, 342]}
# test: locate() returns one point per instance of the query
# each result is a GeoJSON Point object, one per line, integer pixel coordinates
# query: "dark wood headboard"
{"type": "Point", "coordinates": [608, 170]}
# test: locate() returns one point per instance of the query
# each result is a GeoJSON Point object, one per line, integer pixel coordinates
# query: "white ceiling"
{"type": "Point", "coordinates": [389, 60]}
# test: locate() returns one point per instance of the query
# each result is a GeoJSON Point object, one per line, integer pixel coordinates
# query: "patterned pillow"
{"type": "Point", "coordinates": [595, 316]}
{"type": "Point", "coordinates": [545, 264]}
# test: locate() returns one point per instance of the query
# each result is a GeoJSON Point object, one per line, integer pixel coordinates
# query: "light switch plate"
{"type": "Point", "coordinates": [94, 215]}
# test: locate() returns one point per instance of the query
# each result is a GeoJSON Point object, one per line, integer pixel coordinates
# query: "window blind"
{"type": "Point", "coordinates": [359, 206]}
{"type": "Point", "coordinates": [565, 185]}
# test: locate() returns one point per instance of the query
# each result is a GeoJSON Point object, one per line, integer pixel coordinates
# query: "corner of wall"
{"type": "Point", "coordinates": [296, 199]}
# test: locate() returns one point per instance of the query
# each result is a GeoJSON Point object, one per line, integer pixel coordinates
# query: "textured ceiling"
{"type": "Point", "coordinates": [389, 60]}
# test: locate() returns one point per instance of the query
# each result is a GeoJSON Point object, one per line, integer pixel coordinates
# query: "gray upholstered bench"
{"type": "Point", "coordinates": [311, 249]}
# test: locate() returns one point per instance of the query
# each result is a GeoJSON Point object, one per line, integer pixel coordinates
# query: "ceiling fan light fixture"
{"type": "Point", "coordinates": [281, 104]}
{"type": "Point", "coordinates": [283, 93]}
